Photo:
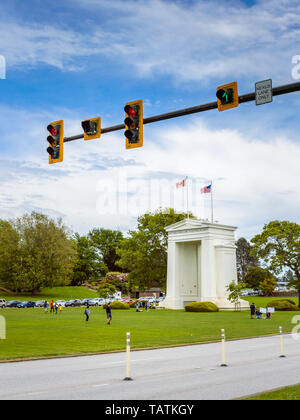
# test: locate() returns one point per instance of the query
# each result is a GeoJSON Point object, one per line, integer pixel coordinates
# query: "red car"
{"type": "Point", "coordinates": [127, 300]}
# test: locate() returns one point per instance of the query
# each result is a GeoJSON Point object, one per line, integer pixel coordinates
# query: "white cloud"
{"type": "Point", "coordinates": [191, 42]}
{"type": "Point", "coordinates": [101, 184]}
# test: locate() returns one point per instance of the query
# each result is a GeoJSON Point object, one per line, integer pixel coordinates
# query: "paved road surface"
{"type": "Point", "coordinates": [179, 373]}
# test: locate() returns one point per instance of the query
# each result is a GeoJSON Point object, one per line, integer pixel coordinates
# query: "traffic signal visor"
{"type": "Point", "coordinates": [228, 96]}
{"type": "Point", "coordinates": [134, 124]}
{"type": "Point", "coordinates": [91, 128]}
{"type": "Point", "coordinates": [56, 141]}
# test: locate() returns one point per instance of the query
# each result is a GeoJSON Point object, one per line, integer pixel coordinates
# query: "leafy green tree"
{"type": "Point", "coordinates": [9, 255]}
{"type": "Point", "coordinates": [144, 253]}
{"type": "Point", "coordinates": [243, 258]}
{"type": "Point", "coordinates": [89, 265]}
{"type": "Point", "coordinates": [255, 276]}
{"type": "Point", "coordinates": [106, 242]}
{"type": "Point", "coordinates": [234, 289]}
{"type": "Point", "coordinates": [106, 289]}
{"type": "Point", "coordinates": [267, 286]}
{"type": "Point", "coordinates": [279, 246]}
{"type": "Point", "coordinates": [37, 251]}
{"type": "Point", "coordinates": [119, 280]}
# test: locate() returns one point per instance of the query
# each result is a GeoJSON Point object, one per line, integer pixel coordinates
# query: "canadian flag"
{"type": "Point", "coordinates": [182, 183]}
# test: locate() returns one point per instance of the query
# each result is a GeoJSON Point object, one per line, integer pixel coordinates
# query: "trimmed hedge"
{"type": "Point", "coordinates": [118, 305]}
{"type": "Point", "coordinates": [201, 307]}
{"type": "Point", "coordinates": [283, 305]}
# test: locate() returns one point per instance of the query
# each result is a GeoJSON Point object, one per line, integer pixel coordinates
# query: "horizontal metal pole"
{"type": "Point", "coordinates": [279, 90]}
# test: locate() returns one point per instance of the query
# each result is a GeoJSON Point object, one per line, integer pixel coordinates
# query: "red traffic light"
{"type": "Point", "coordinates": [130, 111]}
{"type": "Point", "coordinates": [52, 130]}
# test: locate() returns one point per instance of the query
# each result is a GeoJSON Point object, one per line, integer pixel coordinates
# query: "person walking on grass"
{"type": "Point", "coordinates": [52, 306]}
{"type": "Point", "coordinates": [108, 313]}
{"type": "Point", "coordinates": [46, 306]}
{"type": "Point", "coordinates": [87, 314]}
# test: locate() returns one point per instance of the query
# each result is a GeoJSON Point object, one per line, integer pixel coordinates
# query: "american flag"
{"type": "Point", "coordinates": [205, 190]}
{"type": "Point", "coordinates": [182, 183]}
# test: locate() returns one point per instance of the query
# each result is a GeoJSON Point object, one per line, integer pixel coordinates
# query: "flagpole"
{"type": "Point", "coordinates": [187, 198]}
{"type": "Point", "coordinates": [211, 203]}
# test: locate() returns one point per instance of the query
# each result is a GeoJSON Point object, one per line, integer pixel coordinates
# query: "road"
{"type": "Point", "coordinates": [178, 373]}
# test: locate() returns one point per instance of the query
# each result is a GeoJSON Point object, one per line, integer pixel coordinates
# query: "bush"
{"type": "Point", "coordinates": [283, 305]}
{"type": "Point", "coordinates": [118, 305]}
{"type": "Point", "coordinates": [132, 304]}
{"type": "Point", "coordinates": [201, 307]}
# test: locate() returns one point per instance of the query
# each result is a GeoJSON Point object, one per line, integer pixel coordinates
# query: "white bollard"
{"type": "Point", "coordinates": [128, 378]}
{"type": "Point", "coordinates": [223, 349]}
{"type": "Point", "coordinates": [281, 342]}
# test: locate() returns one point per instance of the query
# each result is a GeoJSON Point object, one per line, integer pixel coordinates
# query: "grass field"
{"type": "Point", "coordinates": [55, 293]}
{"type": "Point", "coordinates": [289, 393]}
{"type": "Point", "coordinates": [32, 333]}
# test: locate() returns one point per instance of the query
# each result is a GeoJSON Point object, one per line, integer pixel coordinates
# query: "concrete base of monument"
{"type": "Point", "coordinates": [222, 303]}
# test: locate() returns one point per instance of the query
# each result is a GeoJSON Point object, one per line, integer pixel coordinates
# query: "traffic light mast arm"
{"type": "Point", "coordinates": [248, 97]}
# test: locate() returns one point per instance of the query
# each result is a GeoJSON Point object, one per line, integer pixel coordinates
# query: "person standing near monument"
{"type": "Point", "coordinates": [252, 310]}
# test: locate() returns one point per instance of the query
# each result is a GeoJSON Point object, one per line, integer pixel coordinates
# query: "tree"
{"type": "Point", "coordinates": [144, 253]}
{"type": "Point", "coordinates": [279, 246]}
{"type": "Point", "coordinates": [243, 258]}
{"type": "Point", "coordinates": [106, 289]}
{"type": "Point", "coordinates": [255, 276]}
{"type": "Point", "coordinates": [44, 253]}
{"type": "Point", "coordinates": [234, 291]}
{"type": "Point", "coordinates": [119, 280]}
{"type": "Point", "coordinates": [89, 265]}
{"type": "Point", "coordinates": [106, 242]}
{"type": "Point", "coordinates": [9, 250]}
{"type": "Point", "coordinates": [267, 286]}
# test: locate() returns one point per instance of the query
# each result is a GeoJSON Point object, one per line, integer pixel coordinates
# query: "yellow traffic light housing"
{"type": "Point", "coordinates": [56, 141]}
{"type": "Point", "coordinates": [91, 128]}
{"type": "Point", "coordinates": [134, 124]}
{"type": "Point", "coordinates": [228, 96]}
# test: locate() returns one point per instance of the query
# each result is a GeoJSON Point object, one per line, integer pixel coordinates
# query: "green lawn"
{"type": "Point", "coordinates": [262, 301]}
{"type": "Point", "coordinates": [55, 293]}
{"type": "Point", "coordinates": [32, 333]}
{"type": "Point", "coordinates": [288, 393]}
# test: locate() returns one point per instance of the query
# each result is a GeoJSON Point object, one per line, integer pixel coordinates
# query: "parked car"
{"type": "Point", "coordinates": [148, 298]}
{"type": "Point", "coordinates": [128, 300]}
{"type": "Point", "coordinates": [40, 304]}
{"type": "Point", "coordinates": [93, 302]}
{"type": "Point", "coordinates": [61, 303]}
{"type": "Point", "coordinates": [100, 301]}
{"type": "Point", "coordinates": [2, 303]}
{"type": "Point", "coordinates": [12, 304]}
{"type": "Point", "coordinates": [73, 303]}
{"type": "Point", "coordinates": [26, 304]}
{"type": "Point", "coordinates": [160, 299]}
{"type": "Point", "coordinates": [84, 302]}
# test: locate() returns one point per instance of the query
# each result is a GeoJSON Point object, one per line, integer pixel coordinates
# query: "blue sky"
{"type": "Point", "coordinates": [78, 59]}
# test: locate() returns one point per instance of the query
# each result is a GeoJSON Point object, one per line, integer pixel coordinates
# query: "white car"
{"type": "Point", "coordinates": [100, 301]}
{"type": "Point", "coordinates": [61, 303]}
{"type": "Point", "coordinates": [2, 303]}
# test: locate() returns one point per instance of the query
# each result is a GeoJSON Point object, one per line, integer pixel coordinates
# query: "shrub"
{"type": "Point", "coordinates": [201, 307]}
{"type": "Point", "coordinates": [283, 305]}
{"type": "Point", "coordinates": [118, 305]}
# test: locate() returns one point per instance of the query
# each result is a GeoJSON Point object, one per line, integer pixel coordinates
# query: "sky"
{"type": "Point", "coordinates": [74, 60]}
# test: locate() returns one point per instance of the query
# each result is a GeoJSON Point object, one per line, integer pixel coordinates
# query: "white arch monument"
{"type": "Point", "coordinates": [201, 263]}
